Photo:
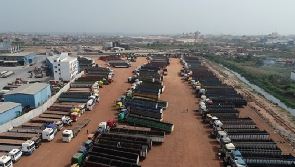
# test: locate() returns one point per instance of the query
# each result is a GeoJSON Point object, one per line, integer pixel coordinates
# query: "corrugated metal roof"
{"type": "Point", "coordinates": [28, 89]}
{"type": "Point", "coordinates": [4, 106]}
{"type": "Point", "coordinates": [17, 54]}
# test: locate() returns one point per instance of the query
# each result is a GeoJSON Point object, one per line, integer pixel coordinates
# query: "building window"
{"type": "Point", "coordinates": [55, 66]}
{"type": "Point", "coordinates": [55, 71]}
{"type": "Point", "coordinates": [58, 69]}
{"type": "Point", "coordinates": [58, 64]}
{"type": "Point", "coordinates": [54, 60]}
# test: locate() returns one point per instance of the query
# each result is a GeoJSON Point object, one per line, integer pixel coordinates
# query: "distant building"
{"type": "Point", "coordinates": [17, 59]}
{"type": "Point", "coordinates": [32, 95]}
{"type": "Point", "coordinates": [125, 46]}
{"type": "Point", "coordinates": [8, 111]}
{"type": "Point", "coordinates": [293, 75]}
{"type": "Point", "coordinates": [6, 47]}
{"type": "Point", "coordinates": [63, 66]}
{"type": "Point", "coordinates": [241, 49]}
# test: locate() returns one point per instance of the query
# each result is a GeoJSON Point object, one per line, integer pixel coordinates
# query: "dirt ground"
{"type": "Point", "coordinates": [188, 145]}
{"type": "Point", "coordinates": [266, 115]}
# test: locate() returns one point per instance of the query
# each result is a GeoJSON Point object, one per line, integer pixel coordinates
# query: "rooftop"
{"type": "Point", "coordinates": [28, 89]}
{"type": "Point", "coordinates": [4, 106]}
{"type": "Point", "coordinates": [17, 54]}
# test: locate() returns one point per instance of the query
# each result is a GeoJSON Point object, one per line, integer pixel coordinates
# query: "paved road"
{"type": "Point", "coordinates": [21, 72]}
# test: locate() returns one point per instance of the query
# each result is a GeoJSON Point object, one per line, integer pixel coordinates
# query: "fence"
{"type": "Point", "coordinates": [37, 111]}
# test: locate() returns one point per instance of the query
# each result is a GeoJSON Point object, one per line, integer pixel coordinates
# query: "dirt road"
{"type": "Point", "coordinates": [188, 145]}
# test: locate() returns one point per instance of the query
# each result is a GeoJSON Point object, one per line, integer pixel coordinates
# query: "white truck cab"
{"type": "Point", "coordinates": [220, 135]}
{"type": "Point", "coordinates": [28, 147]}
{"type": "Point", "coordinates": [5, 160]}
{"type": "Point", "coordinates": [103, 126]}
{"type": "Point", "coordinates": [47, 134]}
{"type": "Point", "coordinates": [15, 155]}
{"type": "Point", "coordinates": [67, 135]}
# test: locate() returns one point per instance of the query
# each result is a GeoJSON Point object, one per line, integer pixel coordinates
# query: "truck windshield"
{"type": "Point", "coordinates": [51, 133]}
{"type": "Point", "coordinates": [19, 152]}
{"type": "Point", "coordinates": [65, 135]}
{"type": "Point", "coordinates": [31, 146]}
{"type": "Point", "coordinates": [8, 163]}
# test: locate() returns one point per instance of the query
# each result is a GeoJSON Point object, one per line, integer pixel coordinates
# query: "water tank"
{"type": "Point", "coordinates": [79, 48]}
{"type": "Point", "coordinates": [108, 45]}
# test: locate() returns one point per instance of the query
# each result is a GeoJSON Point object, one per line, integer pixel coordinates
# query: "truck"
{"type": "Point", "coordinates": [101, 161]}
{"type": "Point", "coordinates": [5, 160]}
{"type": "Point", "coordinates": [57, 122]}
{"type": "Point", "coordinates": [237, 159]}
{"type": "Point", "coordinates": [165, 71]}
{"type": "Point", "coordinates": [224, 137]}
{"type": "Point", "coordinates": [156, 136]}
{"type": "Point", "coordinates": [230, 130]}
{"type": "Point", "coordinates": [69, 134]}
{"type": "Point", "coordinates": [47, 134]}
{"type": "Point", "coordinates": [14, 152]}
{"type": "Point", "coordinates": [135, 148]}
{"type": "Point", "coordinates": [143, 140]}
{"type": "Point", "coordinates": [27, 147]}
{"type": "Point", "coordinates": [150, 114]}
{"type": "Point", "coordinates": [165, 126]}
{"type": "Point", "coordinates": [161, 104]}
{"type": "Point", "coordinates": [114, 153]}
{"type": "Point", "coordinates": [147, 95]}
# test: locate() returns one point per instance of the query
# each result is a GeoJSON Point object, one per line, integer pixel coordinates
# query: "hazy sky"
{"type": "Point", "coordinates": [238, 17]}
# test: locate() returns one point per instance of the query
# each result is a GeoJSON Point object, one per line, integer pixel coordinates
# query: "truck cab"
{"type": "Point", "coordinates": [5, 160]}
{"type": "Point", "coordinates": [28, 147]}
{"type": "Point", "coordinates": [37, 141]}
{"type": "Point", "coordinates": [226, 150]}
{"type": "Point", "coordinates": [77, 159]}
{"type": "Point", "coordinates": [52, 126]}
{"type": "Point", "coordinates": [67, 135]}
{"type": "Point", "coordinates": [221, 135]}
{"type": "Point", "coordinates": [236, 159]}
{"type": "Point", "coordinates": [15, 155]}
{"type": "Point", "coordinates": [75, 116]}
{"type": "Point", "coordinates": [66, 121]}
{"type": "Point", "coordinates": [48, 134]}
{"type": "Point", "coordinates": [212, 121]}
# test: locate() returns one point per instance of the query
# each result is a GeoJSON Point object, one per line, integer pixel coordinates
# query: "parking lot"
{"type": "Point", "coordinates": [22, 72]}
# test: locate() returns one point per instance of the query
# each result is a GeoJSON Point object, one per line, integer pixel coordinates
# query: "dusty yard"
{"type": "Point", "coordinates": [188, 145]}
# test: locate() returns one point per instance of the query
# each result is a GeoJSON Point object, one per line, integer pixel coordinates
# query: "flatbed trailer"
{"type": "Point", "coordinates": [99, 161]}
{"type": "Point", "coordinates": [12, 142]}
{"type": "Point", "coordinates": [57, 113]}
{"type": "Point", "coordinates": [26, 130]}
{"type": "Point", "coordinates": [33, 125]}
{"type": "Point", "coordinates": [8, 148]}
{"type": "Point", "coordinates": [156, 136]}
{"type": "Point", "coordinates": [51, 116]}
{"type": "Point", "coordinates": [43, 120]}
{"type": "Point", "coordinates": [83, 123]}
{"type": "Point", "coordinates": [18, 136]}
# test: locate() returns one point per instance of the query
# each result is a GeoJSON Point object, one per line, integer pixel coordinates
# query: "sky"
{"type": "Point", "coordinates": [148, 17]}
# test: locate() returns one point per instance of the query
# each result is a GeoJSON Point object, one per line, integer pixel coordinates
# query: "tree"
{"type": "Point", "coordinates": [259, 63]}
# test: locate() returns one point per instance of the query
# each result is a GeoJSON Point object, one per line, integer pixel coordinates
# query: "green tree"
{"type": "Point", "coordinates": [259, 63]}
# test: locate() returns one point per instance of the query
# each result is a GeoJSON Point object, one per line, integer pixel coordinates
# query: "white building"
{"type": "Point", "coordinates": [63, 66]}
{"type": "Point", "coordinates": [293, 75]}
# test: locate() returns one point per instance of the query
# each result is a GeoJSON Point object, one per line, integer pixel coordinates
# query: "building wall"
{"type": "Point", "coordinates": [29, 99]}
{"type": "Point", "coordinates": [66, 70]}
{"type": "Point", "coordinates": [24, 99]}
{"type": "Point", "coordinates": [10, 114]}
{"type": "Point", "coordinates": [42, 96]}
{"type": "Point", "coordinates": [27, 59]}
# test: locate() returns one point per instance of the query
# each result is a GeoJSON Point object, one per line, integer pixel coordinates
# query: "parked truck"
{"type": "Point", "coordinates": [46, 134]}
{"type": "Point", "coordinates": [146, 122]}
{"type": "Point", "coordinates": [224, 137]}
{"type": "Point", "coordinates": [101, 161]}
{"type": "Point", "coordinates": [156, 136]}
{"type": "Point", "coordinates": [58, 122]}
{"type": "Point", "coordinates": [27, 148]}
{"type": "Point", "coordinates": [5, 160]}
{"type": "Point", "coordinates": [14, 152]}
{"type": "Point", "coordinates": [69, 134]}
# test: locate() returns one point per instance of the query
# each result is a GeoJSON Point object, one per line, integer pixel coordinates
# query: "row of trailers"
{"type": "Point", "coordinates": [242, 143]}
{"type": "Point", "coordinates": [81, 96]}
{"type": "Point", "coordinates": [140, 114]}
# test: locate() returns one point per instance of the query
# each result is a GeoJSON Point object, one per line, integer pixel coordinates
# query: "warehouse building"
{"type": "Point", "coordinates": [63, 67]}
{"type": "Point", "coordinates": [8, 111]}
{"type": "Point", "coordinates": [29, 95]}
{"type": "Point", "coordinates": [17, 59]}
